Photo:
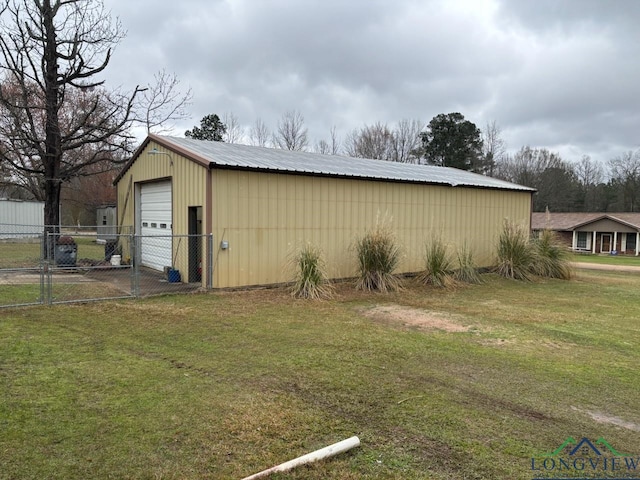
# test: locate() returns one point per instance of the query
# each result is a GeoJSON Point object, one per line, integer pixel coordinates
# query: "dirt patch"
{"type": "Point", "coordinates": [601, 417]}
{"type": "Point", "coordinates": [414, 317]}
{"type": "Point", "coordinates": [525, 344]}
{"type": "Point", "coordinates": [497, 342]}
{"type": "Point", "coordinates": [602, 266]}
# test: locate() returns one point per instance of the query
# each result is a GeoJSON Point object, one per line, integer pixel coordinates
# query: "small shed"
{"type": "Point", "coordinates": [21, 219]}
{"type": "Point", "coordinates": [106, 223]}
{"type": "Point", "coordinates": [261, 204]}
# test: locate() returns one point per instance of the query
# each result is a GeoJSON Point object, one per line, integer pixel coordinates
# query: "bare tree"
{"type": "Point", "coordinates": [406, 141]}
{"type": "Point", "coordinates": [57, 118]}
{"type": "Point", "coordinates": [371, 141]}
{"type": "Point", "coordinates": [588, 172]}
{"type": "Point", "coordinates": [334, 141]}
{"type": "Point", "coordinates": [590, 177]}
{"type": "Point", "coordinates": [259, 134]}
{"type": "Point", "coordinates": [82, 195]}
{"type": "Point", "coordinates": [625, 178]}
{"type": "Point", "coordinates": [162, 102]}
{"type": "Point", "coordinates": [378, 141]}
{"type": "Point", "coordinates": [291, 134]}
{"type": "Point", "coordinates": [322, 147]}
{"type": "Point", "coordinates": [235, 132]}
{"type": "Point", "coordinates": [331, 147]}
{"type": "Point", "coordinates": [350, 145]}
{"type": "Point", "coordinates": [547, 172]}
{"type": "Point", "coordinates": [493, 147]}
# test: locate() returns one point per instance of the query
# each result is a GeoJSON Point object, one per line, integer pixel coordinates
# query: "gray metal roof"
{"type": "Point", "coordinates": [574, 220]}
{"type": "Point", "coordinates": [275, 160]}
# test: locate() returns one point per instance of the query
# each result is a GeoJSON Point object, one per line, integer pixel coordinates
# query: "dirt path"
{"type": "Point", "coordinates": [415, 317]}
{"type": "Point", "coordinates": [599, 266]}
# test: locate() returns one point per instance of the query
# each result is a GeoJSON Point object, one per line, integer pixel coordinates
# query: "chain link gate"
{"type": "Point", "coordinates": [77, 266]}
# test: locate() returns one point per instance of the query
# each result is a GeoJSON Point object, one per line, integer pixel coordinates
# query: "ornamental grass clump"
{"type": "Point", "coordinates": [378, 256]}
{"type": "Point", "coordinates": [551, 257]}
{"type": "Point", "coordinates": [310, 274]}
{"type": "Point", "coordinates": [516, 254]}
{"type": "Point", "coordinates": [467, 270]}
{"type": "Point", "coordinates": [438, 265]}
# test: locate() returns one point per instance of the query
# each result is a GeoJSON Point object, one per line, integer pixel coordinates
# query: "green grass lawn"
{"type": "Point", "coordinates": [227, 384]}
{"type": "Point", "coordinates": [28, 254]}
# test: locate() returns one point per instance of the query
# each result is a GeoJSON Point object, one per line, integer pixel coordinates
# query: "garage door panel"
{"type": "Point", "coordinates": [156, 224]}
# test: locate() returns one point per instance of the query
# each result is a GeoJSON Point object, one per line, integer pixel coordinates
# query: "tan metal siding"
{"type": "Point", "coordinates": [266, 217]}
{"type": "Point", "coordinates": [188, 180]}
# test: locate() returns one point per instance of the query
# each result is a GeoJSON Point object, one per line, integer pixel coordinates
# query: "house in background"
{"type": "Point", "coordinates": [260, 205]}
{"type": "Point", "coordinates": [617, 233]}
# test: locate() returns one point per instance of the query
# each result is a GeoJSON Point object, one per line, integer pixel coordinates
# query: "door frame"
{"type": "Point", "coordinates": [195, 243]}
{"type": "Point", "coordinates": [602, 235]}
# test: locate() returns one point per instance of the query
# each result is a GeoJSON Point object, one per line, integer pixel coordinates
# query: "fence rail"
{"type": "Point", "coordinates": [66, 265]}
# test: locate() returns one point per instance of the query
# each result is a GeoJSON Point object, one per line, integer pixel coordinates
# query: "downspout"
{"type": "Point", "coordinates": [209, 227]}
{"type": "Point", "coordinates": [531, 213]}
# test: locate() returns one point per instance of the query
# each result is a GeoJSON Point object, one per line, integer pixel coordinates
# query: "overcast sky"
{"type": "Point", "coordinates": [564, 75]}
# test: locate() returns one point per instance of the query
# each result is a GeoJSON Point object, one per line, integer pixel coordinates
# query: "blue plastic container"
{"type": "Point", "coordinates": [173, 276]}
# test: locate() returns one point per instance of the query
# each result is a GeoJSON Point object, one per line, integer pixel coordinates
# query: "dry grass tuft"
{"type": "Point", "coordinates": [467, 270]}
{"type": "Point", "coordinates": [551, 257]}
{"type": "Point", "coordinates": [310, 274]}
{"type": "Point", "coordinates": [438, 266]}
{"type": "Point", "coordinates": [378, 256]}
{"type": "Point", "coordinates": [515, 255]}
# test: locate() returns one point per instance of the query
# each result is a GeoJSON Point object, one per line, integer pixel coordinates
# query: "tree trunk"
{"type": "Point", "coordinates": [51, 218]}
{"type": "Point", "coordinates": [53, 140]}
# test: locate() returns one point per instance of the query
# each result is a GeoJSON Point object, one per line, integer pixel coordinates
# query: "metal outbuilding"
{"type": "Point", "coordinates": [106, 223]}
{"type": "Point", "coordinates": [262, 204]}
{"type": "Point", "coordinates": [21, 219]}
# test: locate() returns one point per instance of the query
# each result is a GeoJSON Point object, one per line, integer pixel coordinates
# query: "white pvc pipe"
{"type": "Point", "coordinates": [325, 452]}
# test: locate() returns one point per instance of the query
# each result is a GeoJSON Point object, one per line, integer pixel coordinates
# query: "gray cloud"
{"type": "Point", "coordinates": [555, 74]}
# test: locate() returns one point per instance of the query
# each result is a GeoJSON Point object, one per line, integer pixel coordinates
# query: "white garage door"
{"type": "Point", "coordinates": [155, 224]}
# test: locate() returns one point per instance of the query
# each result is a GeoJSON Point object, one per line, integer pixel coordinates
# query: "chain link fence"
{"type": "Point", "coordinates": [79, 265]}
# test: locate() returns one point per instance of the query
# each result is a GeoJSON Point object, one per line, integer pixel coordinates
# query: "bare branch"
{"type": "Point", "coordinates": [292, 134]}
{"type": "Point", "coordinates": [259, 134]}
{"type": "Point", "coordinates": [56, 121]}
{"type": "Point", "coordinates": [235, 132]}
{"type": "Point", "coordinates": [162, 103]}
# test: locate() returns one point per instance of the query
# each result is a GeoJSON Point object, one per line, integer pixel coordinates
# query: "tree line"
{"type": "Point", "coordinates": [451, 140]}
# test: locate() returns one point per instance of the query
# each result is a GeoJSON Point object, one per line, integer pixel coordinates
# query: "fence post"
{"type": "Point", "coordinates": [210, 261]}
{"type": "Point", "coordinates": [48, 265]}
{"type": "Point", "coordinates": [42, 268]}
{"type": "Point", "coordinates": [135, 260]}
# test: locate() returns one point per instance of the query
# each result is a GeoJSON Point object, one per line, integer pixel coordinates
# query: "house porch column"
{"type": "Point", "coordinates": [574, 242]}
{"type": "Point", "coordinates": [637, 240]}
{"type": "Point", "coordinates": [615, 242]}
{"type": "Point", "coordinates": [593, 244]}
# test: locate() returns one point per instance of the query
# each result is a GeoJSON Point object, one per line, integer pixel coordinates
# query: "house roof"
{"type": "Point", "coordinates": [235, 156]}
{"type": "Point", "coordinates": [571, 221]}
